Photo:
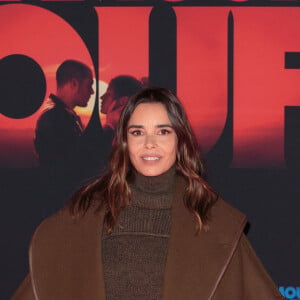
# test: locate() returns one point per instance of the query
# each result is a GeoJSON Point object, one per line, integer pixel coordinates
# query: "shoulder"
{"type": "Point", "coordinates": [222, 215]}
{"type": "Point", "coordinates": [58, 236]}
{"type": "Point", "coordinates": [52, 113]}
{"type": "Point", "coordinates": [54, 226]}
{"type": "Point", "coordinates": [223, 212]}
{"type": "Point", "coordinates": [49, 117]}
{"type": "Point", "coordinates": [226, 223]}
{"type": "Point", "coordinates": [61, 244]}
{"type": "Point", "coordinates": [64, 225]}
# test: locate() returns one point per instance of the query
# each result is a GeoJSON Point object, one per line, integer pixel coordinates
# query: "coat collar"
{"type": "Point", "coordinates": [66, 258]}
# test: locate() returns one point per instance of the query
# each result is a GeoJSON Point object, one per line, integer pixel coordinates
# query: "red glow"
{"type": "Point", "coordinates": [202, 69]}
{"type": "Point", "coordinates": [123, 41]}
{"type": "Point", "coordinates": [262, 86]}
{"type": "Point", "coordinates": [36, 32]}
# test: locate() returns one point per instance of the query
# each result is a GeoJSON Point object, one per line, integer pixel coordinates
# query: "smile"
{"type": "Point", "coordinates": [150, 158]}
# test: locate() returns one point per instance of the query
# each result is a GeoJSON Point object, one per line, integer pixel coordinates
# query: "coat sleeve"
{"type": "Point", "coordinates": [24, 291]}
{"type": "Point", "coordinates": [246, 278]}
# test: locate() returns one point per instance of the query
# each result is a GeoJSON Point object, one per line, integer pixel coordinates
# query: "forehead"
{"type": "Point", "coordinates": [146, 113]}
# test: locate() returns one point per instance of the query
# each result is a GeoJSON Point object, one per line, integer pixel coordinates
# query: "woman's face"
{"type": "Point", "coordinates": [152, 142]}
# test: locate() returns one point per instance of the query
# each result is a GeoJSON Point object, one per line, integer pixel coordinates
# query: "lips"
{"type": "Point", "coordinates": [150, 157]}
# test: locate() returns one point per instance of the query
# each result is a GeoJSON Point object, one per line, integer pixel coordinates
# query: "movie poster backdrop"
{"type": "Point", "coordinates": [234, 65]}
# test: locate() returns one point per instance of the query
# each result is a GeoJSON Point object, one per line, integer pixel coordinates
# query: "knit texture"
{"type": "Point", "coordinates": [134, 255]}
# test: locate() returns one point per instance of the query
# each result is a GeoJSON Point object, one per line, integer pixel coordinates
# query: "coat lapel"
{"type": "Point", "coordinates": [195, 264]}
{"type": "Point", "coordinates": [66, 258]}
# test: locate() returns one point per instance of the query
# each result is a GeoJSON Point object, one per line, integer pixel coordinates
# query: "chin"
{"type": "Point", "coordinates": [150, 172]}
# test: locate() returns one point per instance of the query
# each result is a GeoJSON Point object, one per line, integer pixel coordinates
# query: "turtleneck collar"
{"type": "Point", "coordinates": [162, 183]}
{"type": "Point", "coordinates": [154, 192]}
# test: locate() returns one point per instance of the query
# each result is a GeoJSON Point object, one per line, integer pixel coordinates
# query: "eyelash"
{"type": "Point", "coordinates": [160, 132]}
{"type": "Point", "coordinates": [164, 131]}
{"type": "Point", "coordinates": [136, 132]}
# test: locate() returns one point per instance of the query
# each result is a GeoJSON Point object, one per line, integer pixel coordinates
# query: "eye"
{"type": "Point", "coordinates": [136, 132]}
{"type": "Point", "coordinates": [164, 131]}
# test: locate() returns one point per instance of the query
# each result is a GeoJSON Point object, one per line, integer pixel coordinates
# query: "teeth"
{"type": "Point", "coordinates": [150, 158]}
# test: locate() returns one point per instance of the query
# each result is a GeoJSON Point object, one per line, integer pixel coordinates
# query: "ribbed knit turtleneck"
{"type": "Point", "coordinates": [134, 255]}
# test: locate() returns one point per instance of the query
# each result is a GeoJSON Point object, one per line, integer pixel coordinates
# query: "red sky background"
{"type": "Point", "coordinates": [262, 87]}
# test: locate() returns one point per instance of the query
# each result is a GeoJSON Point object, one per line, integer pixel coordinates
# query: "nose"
{"type": "Point", "coordinates": [150, 142]}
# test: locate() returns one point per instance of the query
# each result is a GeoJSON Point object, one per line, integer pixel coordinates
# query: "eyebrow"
{"type": "Point", "coordinates": [157, 126]}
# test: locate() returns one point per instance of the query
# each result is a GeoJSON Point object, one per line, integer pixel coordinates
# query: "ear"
{"type": "Point", "coordinates": [74, 82]}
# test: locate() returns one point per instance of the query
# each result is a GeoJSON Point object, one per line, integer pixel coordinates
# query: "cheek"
{"type": "Point", "coordinates": [108, 101]}
{"type": "Point", "coordinates": [133, 155]}
{"type": "Point", "coordinates": [171, 147]}
{"type": "Point", "coordinates": [132, 148]}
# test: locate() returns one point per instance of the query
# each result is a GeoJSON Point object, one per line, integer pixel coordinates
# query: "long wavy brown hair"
{"type": "Point", "coordinates": [112, 190]}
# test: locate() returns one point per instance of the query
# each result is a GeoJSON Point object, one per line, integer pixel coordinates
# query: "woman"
{"type": "Point", "coordinates": [151, 227]}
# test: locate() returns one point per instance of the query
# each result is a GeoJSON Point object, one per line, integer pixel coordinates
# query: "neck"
{"type": "Point", "coordinates": [65, 98]}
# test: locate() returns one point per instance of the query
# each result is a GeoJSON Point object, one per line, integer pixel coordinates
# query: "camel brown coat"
{"type": "Point", "coordinates": [66, 261]}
